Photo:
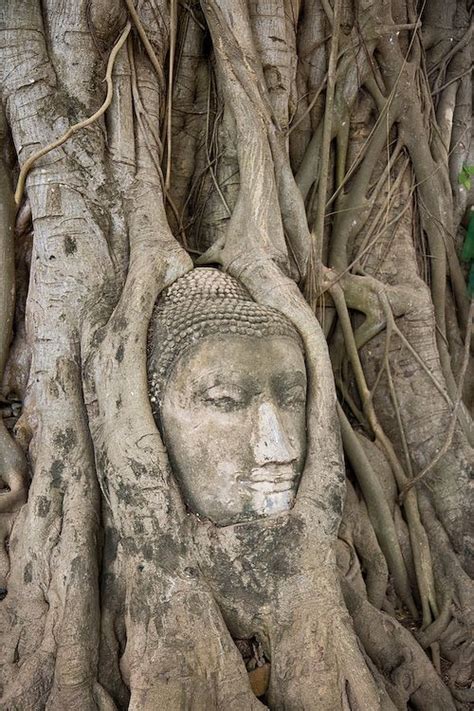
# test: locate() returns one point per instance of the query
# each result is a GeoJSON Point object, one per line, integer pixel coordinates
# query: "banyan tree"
{"type": "Point", "coordinates": [236, 328]}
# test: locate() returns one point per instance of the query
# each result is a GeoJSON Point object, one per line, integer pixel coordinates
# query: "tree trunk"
{"type": "Point", "coordinates": [312, 150]}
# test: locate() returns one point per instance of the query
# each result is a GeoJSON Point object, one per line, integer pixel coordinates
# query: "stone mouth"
{"type": "Point", "coordinates": [270, 480]}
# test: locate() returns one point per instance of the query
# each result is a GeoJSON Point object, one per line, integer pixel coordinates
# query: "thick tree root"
{"type": "Point", "coordinates": [409, 674]}
{"type": "Point", "coordinates": [13, 468]}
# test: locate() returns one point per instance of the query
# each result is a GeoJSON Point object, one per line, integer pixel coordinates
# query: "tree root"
{"type": "Point", "coordinates": [13, 467]}
{"type": "Point", "coordinates": [357, 531]}
{"type": "Point", "coordinates": [409, 674]}
{"type": "Point", "coordinates": [379, 511]}
{"type": "Point", "coordinates": [420, 545]}
{"type": "Point", "coordinates": [163, 602]}
{"type": "Point", "coordinates": [449, 436]}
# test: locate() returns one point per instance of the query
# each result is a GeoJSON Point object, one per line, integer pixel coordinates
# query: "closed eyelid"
{"type": "Point", "coordinates": [291, 380]}
{"type": "Point", "coordinates": [296, 387]}
{"type": "Point", "coordinates": [293, 391]}
{"type": "Point", "coordinates": [222, 390]}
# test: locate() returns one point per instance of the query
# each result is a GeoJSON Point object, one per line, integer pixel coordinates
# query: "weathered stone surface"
{"type": "Point", "coordinates": [231, 379]}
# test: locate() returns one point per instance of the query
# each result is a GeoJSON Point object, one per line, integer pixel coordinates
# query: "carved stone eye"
{"type": "Point", "coordinates": [293, 396]}
{"type": "Point", "coordinates": [226, 397]}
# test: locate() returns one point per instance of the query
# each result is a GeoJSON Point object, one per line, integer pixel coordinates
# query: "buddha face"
{"type": "Point", "coordinates": [234, 422]}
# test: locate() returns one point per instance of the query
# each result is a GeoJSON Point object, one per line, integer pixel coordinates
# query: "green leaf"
{"type": "Point", "coordinates": [464, 177]}
{"type": "Point", "coordinates": [470, 282]}
{"type": "Point", "coordinates": [468, 247]}
{"type": "Point", "coordinates": [464, 180]}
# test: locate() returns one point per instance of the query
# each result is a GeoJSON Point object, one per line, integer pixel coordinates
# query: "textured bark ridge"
{"type": "Point", "coordinates": [311, 149]}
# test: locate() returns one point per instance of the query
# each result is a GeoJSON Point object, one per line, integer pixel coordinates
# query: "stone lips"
{"type": "Point", "coordinates": [204, 302]}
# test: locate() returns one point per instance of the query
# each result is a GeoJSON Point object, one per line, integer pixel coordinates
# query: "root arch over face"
{"type": "Point", "coordinates": [294, 146]}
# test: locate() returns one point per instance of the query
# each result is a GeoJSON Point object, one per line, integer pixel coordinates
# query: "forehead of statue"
{"type": "Point", "coordinates": [250, 361]}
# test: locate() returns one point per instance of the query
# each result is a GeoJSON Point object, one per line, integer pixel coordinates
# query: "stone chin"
{"type": "Point", "coordinates": [259, 505]}
{"type": "Point", "coordinates": [268, 504]}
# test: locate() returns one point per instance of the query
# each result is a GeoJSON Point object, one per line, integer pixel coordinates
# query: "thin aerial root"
{"type": "Point", "coordinates": [420, 546]}
{"type": "Point", "coordinates": [379, 511]}
{"type": "Point", "coordinates": [169, 136]}
{"type": "Point", "coordinates": [27, 166]}
{"type": "Point", "coordinates": [146, 42]}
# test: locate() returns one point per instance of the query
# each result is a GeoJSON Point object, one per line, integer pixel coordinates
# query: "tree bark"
{"type": "Point", "coordinates": [210, 144]}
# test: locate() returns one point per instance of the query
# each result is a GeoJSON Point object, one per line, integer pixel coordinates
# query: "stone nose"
{"type": "Point", "coordinates": [270, 443]}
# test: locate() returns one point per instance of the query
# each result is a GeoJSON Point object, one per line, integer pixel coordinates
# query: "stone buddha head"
{"type": "Point", "coordinates": [228, 391]}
